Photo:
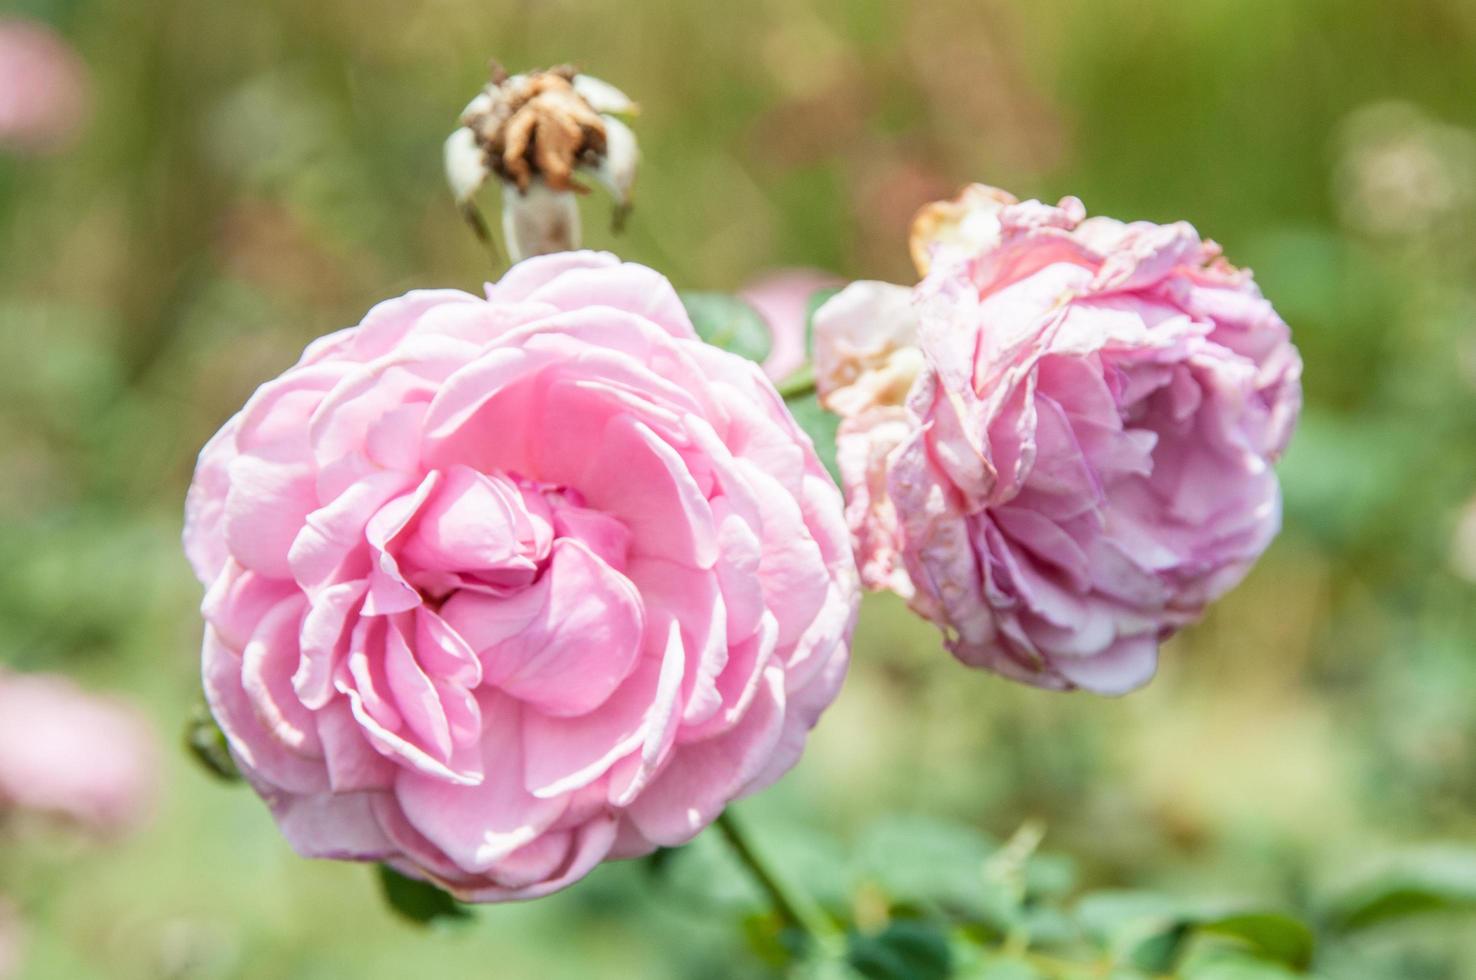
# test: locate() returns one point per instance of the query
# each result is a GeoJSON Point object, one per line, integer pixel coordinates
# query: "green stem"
{"type": "Point", "coordinates": [794, 906]}
{"type": "Point", "coordinates": [798, 384]}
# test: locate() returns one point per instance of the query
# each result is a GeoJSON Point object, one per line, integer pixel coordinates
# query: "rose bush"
{"type": "Point", "coordinates": [499, 588]}
{"type": "Point", "coordinates": [1059, 446]}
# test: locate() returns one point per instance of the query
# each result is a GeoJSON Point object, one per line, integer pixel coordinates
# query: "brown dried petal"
{"type": "Point", "coordinates": [537, 125]}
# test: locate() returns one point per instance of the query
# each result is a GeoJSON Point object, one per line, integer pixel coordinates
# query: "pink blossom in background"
{"type": "Point", "coordinates": [782, 298]}
{"type": "Point", "coordinates": [64, 751]}
{"type": "Point", "coordinates": [501, 588]}
{"type": "Point", "coordinates": [1059, 446]}
{"type": "Point", "coordinates": [43, 88]}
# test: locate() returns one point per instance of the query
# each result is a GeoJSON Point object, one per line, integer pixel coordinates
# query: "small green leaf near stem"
{"type": "Point", "coordinates": [206, 743]}
{"type": "Point", "coordinates": [798, 384]}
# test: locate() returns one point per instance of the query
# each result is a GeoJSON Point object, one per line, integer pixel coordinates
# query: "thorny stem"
{"type": "Point", "coordinates": [794, 906]}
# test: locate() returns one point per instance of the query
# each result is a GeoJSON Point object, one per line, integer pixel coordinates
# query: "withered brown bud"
{"type": "Point", "coordinates": [535, 131]}
{"type": "Point", "coordinates": [537, 124]}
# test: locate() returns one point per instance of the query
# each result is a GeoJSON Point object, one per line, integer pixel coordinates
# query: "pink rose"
{"type": "Point", "coordinates": [81, 756]}
{"type": "Point", "coordinates": [498, 589]}
{"type": "Point", "coordinates": [1080, 459]}
{"type": "Point", "coordinates": [43, 88]}
{"type": "Point", "coordinates": [782, 298]}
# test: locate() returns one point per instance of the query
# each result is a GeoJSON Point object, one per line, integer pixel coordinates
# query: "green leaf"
{"type": "Point", "coordinates": [821, 426]}
{"type": "Point", "coordinates": [207, 744]}
{"type": "Point", "coordinates": [658, 862]}
{"type": "Point", "coordinates": [824, 968]}
{"type": "Point", "coordinates": [419, 901]}
{"type": "Point", "coordinates": [817, 299]}
{"type": "Point", "coordinates": [1441, 879]}
{"type": "Point", "coordinates": [704, 878]}
{"type": "Point", "coordinates": [905, 950]}
{"type": "Point", "coordinates": [1118, 920]}
{"type": "Point", "coordinates": [921, 860]}
{"type": "Point", "coordinates": [1160, 952]}
{"type": "Point", "coordinates": [1049, 876]}
{"type": "Point", "coordinates": [1149, 931]}
{"type": "Point", "coordinates": [798, 384]}
{"type": "Point", "coordinates": [770, 940]}
{"type": "Point", "coordinates": [1046, 925]}
{"type": "Point", "coordinates": [1271, 935]}
{"type": "Point", "coordinates": [726, 321]}
{"type": "Point", "coordinates": [1142, 930]}
{"type": "Point", "coordinates": [1006, 968]}
{"type": "Point", "coordinates": [1221, 967]}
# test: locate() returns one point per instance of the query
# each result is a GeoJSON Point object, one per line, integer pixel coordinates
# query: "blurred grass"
{"type": "Point", "coordinates": [258, 174]}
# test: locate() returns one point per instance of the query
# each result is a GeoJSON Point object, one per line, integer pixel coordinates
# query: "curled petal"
{"type": "Point", "coordinates": [616, 170]}
{"type": "Point", "coordinates": [604, 97]}
{"type": "Point", "coordinates": [466, 164]}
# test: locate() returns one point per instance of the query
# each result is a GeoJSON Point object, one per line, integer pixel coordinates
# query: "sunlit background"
{"type": "Point", "coordinates": [230, 180]}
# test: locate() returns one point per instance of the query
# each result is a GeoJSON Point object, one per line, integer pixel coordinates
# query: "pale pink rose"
{"type": "Point", "coordinates": [500, 588]}
{"type": "Point", "coordinates": [782, 298]}
{"type": "Point", "coordinates": [43, 88]}
{"type": "Point", "coordinates": [1082, 458]}
{"type": "Point", "coordinates": [63, 751]}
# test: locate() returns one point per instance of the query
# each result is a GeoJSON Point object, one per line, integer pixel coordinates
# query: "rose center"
{"type": "Point", "coordinates": [487, 533]}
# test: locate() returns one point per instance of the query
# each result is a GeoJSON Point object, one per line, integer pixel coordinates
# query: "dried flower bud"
{"type": "Point", "coordinates": [535, 132]}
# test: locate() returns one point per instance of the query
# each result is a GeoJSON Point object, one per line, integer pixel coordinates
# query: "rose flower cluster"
{"type": "Point", "coordinates": [499, 588]}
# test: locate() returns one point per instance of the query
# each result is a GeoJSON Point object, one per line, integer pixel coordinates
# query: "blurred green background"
{"type": "Point", "coordinates": [256, 174]}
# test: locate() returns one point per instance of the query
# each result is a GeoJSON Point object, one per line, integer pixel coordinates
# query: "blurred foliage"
{"type": "Point", "coordinates": [923, 899]}
{"type": "Point", "coordinates": [257, 174]}
{"type": "Point", "coordinates": [728, 322]}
